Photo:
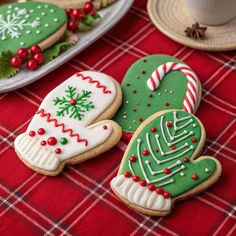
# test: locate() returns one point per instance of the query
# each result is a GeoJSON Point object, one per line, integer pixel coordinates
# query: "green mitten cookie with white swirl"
{"type": "Point", "coordinates": [162, 165]}
{"type": "Point", "coordinates": [26, 24]}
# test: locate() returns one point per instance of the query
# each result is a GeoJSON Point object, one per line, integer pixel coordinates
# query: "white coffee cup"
{"type": "Point", "coordinates": [211, 12]}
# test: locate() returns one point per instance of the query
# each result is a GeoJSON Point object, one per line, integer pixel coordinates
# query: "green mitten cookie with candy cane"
{"type": "Point", "coordinates": [26, 24]}
{"type": "Point", "coordinates": [71, 124]}
{"type": "Point", "coordinates": [162, 165]}
{"type": "Point", "coordinates": [155, 83]}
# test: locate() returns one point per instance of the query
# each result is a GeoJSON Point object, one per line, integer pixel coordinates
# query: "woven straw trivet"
{"type": "Point", "coordinates": [78, 4]}
{"type": "Point", "coordinates": [171, 18]}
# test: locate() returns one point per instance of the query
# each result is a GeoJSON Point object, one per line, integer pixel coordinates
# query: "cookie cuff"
{"type": "Point", "coordinates": [139, 195]}
{"type": "Point", "coordinates": [31, 152]}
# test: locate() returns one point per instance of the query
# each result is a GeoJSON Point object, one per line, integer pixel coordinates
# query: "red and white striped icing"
{"type": "Point", "coordinates": [190, 100]}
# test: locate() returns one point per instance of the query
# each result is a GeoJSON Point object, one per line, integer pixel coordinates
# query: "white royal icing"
{"type": "Point", "coordinates": [95, 134]}
{"type": "Point", "coordinates": [137, 194]}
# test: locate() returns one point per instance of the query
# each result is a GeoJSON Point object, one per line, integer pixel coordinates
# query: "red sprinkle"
{"type": "Point", "coordinates": [159, 191]}
{"type": "Point", "coordinates": [127, 84]}
{"type": "Point", "coordinates": [153, 129]}
{"type": "Point", "coordinates": [32, 133]}
{"type": "Point", "coordinates": [150, 95]}
{"type": "Point", "coordinates": [132, 158]}
{"type": "Point", "coordinates": [57, 150]}
{"type": "Point", "coordinates": [186, 160]}
{"type": "Point", "coordinates": [143, 71]}
{"type": "Point", "coordinates": [166, 195]}
{"type": "Point", "coordinates": [167, 171]}
{"type": "Point", "coordinates": [52, 141]}
{"type": "Point", "coordinates": [151, 187]}
{"type": "Point", "coordinates": [134, 110]}
{"type": "Point", "coordinates": [104, 127]}
{"type": "Point", "coordinates": [166, 104]}
{"type": "Point", "coordinates": [140, 119]}
{"type": "Point", "coordinates": [41, 131]}
{"type": "Point", "coordinates": [194, 140]}
{"type": "Point", "coordinates": [195, 177]}
{"type": "Point", "coordinates": [173, 148]}
{"type": "Point", "coordinates": [127, 174]}
{"type": "Point", "coordinates": [136, 178]}
{"type": "Point", "coordinates": [169, 124]}
{"type": "Point", "coordinates": [143, 182]}
{"type": "Point", "coordinates": [156, 150]}
{"type": "Point", "coordinates": [145, 152]}
{"type": "Point", "coordinates": [72, 101]}
{"type": "Point", "coordinates": [148, 104]}
{"type": "Point", "coordinates": [43, 143]}
{"type": "Point", "coordinates": [134, 91]}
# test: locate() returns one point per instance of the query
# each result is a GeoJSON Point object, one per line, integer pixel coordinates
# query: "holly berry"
{"type": "Point", "coordinates": [16, 62]}
{"type": "Point", "coordinates": [32, 133]}
{"type": "Point", "coordinates": [52, 141]}
{"type": "Point", "coordinates": [41, 131]}
{"type": "Point", "coordinates": [39, 57]}
{"type": "Point", "coordinates": [35, 49]}
{"type": "Point", "coordinates": [22, 53]}
{"type": "Point", "coordinates": [143, 182]}
{"type": "Point", "coordinates": [132, 158]}
{"type": "Point", "coordinates": [77, 14]}
{"type": "Point", "coordinates": [72, 25]}
{"type": "Point", "coordinates": [136, 178]}
{"type": "Point", "coordinates": [145, 152]}
{"type": "Point", "coordinates": [166, 195]}
{"type": "Point", "coordinates": [159, 191]}
{"type": "Point", "coordinates": [57, 150]}
{"type": "Point", "coordinates": [93, 13]}
{"type": "Point", "coordinates": [127, 174]}
{"type": "Point", "coordinates": [72, 101]}
{"type": "Point", "coordinates": [151, 187]}
{"type": "Point", "coordinates": [88, 7]}
{"type": "Point", "coordinates": [32, 64]}
{"type": "Point", "coordinates": [69, 12]}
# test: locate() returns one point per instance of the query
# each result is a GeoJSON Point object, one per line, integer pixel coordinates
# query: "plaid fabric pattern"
{"type": "Point", "coordinates": [80, 201]}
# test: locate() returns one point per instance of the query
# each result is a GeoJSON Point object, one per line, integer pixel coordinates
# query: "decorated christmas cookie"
{"type": "Point", "coordinates": [162, 165]}
{"type": "Point", "coordinates": [70, 125]}
{"type": "Point", "coordinates": [25, 24]}
{"type": "Point", "coordinates": [155, 83]}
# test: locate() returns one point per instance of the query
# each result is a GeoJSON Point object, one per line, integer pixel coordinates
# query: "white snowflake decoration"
{"type": "Point", "coordinates": [13, 23]}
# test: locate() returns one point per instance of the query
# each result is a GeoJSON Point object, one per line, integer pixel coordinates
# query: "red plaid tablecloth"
{"type": "Point", "coordinates": [80, 201]}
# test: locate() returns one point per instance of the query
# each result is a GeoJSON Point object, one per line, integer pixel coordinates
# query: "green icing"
{"type": "Point", "coordinates": [25, 24]}
{"type": "Point", "coordinates": [180, 184]}
{"type": "Point", "coordinates": [172, 90]}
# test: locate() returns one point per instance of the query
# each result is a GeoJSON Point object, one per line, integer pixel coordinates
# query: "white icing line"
{"type": "Point", "coordinates": [150, 149]}
{"type": "Point", "coordinates": [131, 169]}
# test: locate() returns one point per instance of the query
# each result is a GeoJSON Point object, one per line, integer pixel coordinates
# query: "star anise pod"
{"type": "Point", "coordinates": [196, 31]}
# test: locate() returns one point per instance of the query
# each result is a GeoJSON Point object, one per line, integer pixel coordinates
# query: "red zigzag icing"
{"type": "Point", "coordinates": [42, 113]}
{"type": "Point", "coordinates": [91, 81]}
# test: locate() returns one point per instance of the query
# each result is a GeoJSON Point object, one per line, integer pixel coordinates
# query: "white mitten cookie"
{"type": "Point", "coordinates": [70, 125]}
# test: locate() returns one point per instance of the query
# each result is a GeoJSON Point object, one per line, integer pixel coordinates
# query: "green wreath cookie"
{"type": "Point", "coordinates": [155, 83]}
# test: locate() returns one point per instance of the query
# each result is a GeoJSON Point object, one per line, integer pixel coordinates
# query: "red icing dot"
{"type": "Point", "coordinates": [166, 195]}
{"type": "Point", "coordinates": [134, 91]}
{"type": "Point", "coordinates": [127, 84]}
{"type": "Point", "coordinates": [52, 141]}
{"type": "Point", "coordinates": [195, 177]}
{"type": "Point", "coordinates": [140, 119]}
{"type": "Point", "coordinates": [194, 140]}
{"type": "Point", "coordinates": [127, 174]}
{"type": "Point", "coordinates": [166, 104]}
{"type": "Point", "coordinates": [72, 101]}
{"type": "Point", "coordinates": [104, 127]}
{"type": "Point", "coordinates": [156, 150]}
{"type": "Point", "coordinates": [150, 95]}
{"type": "Point", "coordinates": [132, 158]}
{"type": "Point", "coordinates": [143, 182]}
{"type": "Point", "coordinates": [143, 71]}
{"type": "Point", "coordinates": [43, 143]}
{"type": "Point", "coordinates": [32, 133]}
{"type": "Point", "coordinates": [167, 171]}
{"type": "Point", "coordinates": [159, 191]}
{"type": "Point", "coordinates": [153, 129]}
{"type": "Point", "coordinates": [145, 152]}
{"type": "Point", "coordinates": [136, 178]}
{"type": "Point", "coordinates": [57, 150]}
{"type": "Point", "coordinates": [169, 124]}
{"type": "Point", "coordinates": [186, 160]}
{"type": "Point", "coordinates": [173, 148]}
{"type": "Point", "coordinates": [41, 131]}
{"type": "Point", "coordinates": [151, 187]}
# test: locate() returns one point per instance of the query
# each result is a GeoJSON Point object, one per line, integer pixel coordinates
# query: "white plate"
{"type": "Point", "coordinates": [110, 16]}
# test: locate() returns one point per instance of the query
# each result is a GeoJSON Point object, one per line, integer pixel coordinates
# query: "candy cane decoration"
{"type": "Point", "coordinates": [158, 75]}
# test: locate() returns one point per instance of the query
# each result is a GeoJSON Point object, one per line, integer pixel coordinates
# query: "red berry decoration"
{"type": "Point", "coordinates": [16, 62]}
{"type": "Point", "coordinates": [166, 195]}
{"type": "Point", "coordinates": [22, 53]}
{"type": "Point", "coordinates": [153, 129]}
{"type": "Point", "coordinates": [143, 182]}
{"type": "Point", "coordinates": [39, 57]}
{"type": "Point", "coordinates": [194, 140]}
{"type": "Point", "coordinates": [166, 171]}
{"type": "Point", "coordinates": [88, 7]}
{"type": "Point", "coordinates": [77, 14]}
{"type": "Point", "coordinates": [166, 104]}
{"type": "Point", "coordinates": [134, 91]}
{"type": "Point", "coordinates": [52, 141]}
{"type": "Point", "coordinates": [169, 124]}
{"type": "Point", "coordinates": [69, 12]}
{"type": "Point", "coordinates": [43, 143]}
{"type": "Point", "coordinates": [186, 160]}
{"type": "Point", "coordinates": [143, 72]}
{"type": "Point", "coordinates": [132, 158]}
{"type": "Point", "coordinates": [93, 13]}
{"type": "Point", "coordinates": [127, 174]}
{"type": "Point", "coordinates": [72, 25]}
{"type": "Point", "coordinates": [72, 101]}
{"type": "Point", "coordinates": [145, 152]}
{"type": "Point", "coordinates": [32, 133]}
{"type": "Point", "coordinates": [156, 150]}
{"type": "Point", "coordinates": [150, 95]}
{"type": "Point", "coordinates": [32, 64]}
{"type": "Point", "coordinates": [127, 84]}
{"type": "Point", "coordinates": [140, 119]}
{"type": "Point", "coordinates": [104, 127]}
{"type": "Point", "coordinates": [35, 49]}
{"type": "Point", "coordinates": [136, 178]}
{"type": "Point", "coordinates": [57, 150]}
{"type": "Point", "coordinates": [195, 177]}
{"type": "Point", "coordinates": [151, 187]}
{"type": "Point", "coordinates": [159, 191]}
{"type": "Point", "coordinates": [173, 148]}
{"type": "Point", "coordinates": [41, 131]}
